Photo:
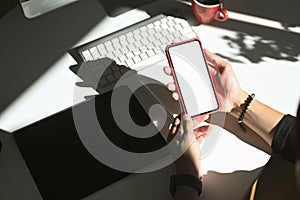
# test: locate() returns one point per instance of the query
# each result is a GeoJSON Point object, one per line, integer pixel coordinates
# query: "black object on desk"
{"type": "Point", "coordinates": [118, 7]}
{"type": "Point", "coordinates": [59, 163]}
{"type": "Point", "coordinates": [6, 6]}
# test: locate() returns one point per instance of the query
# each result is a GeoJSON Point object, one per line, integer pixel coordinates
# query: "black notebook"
{"type": "Point", "coordinates": [60, 164]}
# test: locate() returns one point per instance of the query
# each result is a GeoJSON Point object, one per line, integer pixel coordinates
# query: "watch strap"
{"type": "Point", "coordinates": [186, 180]}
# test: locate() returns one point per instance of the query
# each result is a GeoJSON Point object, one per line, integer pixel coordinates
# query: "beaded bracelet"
{"type": "Point", "coordinates": [247, 103]}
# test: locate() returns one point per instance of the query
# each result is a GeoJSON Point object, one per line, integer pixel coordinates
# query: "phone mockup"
{"type": "Point", "coordinates": [191, 77]}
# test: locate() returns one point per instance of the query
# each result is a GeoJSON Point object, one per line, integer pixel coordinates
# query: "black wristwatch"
{"type": "Point", "coordinates": [187, 180]}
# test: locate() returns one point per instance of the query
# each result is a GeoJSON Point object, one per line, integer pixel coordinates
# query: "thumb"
{"type": "Point", "coordinates": [187, 124]}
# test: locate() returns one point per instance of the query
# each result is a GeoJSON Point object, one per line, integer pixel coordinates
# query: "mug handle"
{"type": "Point", "coordinates": [222, 15]}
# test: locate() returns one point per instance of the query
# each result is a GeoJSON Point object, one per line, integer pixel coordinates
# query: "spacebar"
{"type": "Point", "coordinates": [149, 61]}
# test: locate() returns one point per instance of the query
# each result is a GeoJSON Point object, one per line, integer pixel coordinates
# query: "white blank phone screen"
{"type": "Point", "coordinates": [193, 78]}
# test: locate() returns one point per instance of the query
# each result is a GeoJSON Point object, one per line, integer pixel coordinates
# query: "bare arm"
{"type": "Point", "coordinates": [189, 162]}
{"type": "Point", "coordinates": [261, 118]}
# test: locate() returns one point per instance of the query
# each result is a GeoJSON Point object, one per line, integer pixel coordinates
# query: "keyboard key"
{"type": "Point", "coordinates": [115, 40]}
{"type": "Point", "coordinates": [117, 53]}
{"type": "Point", "coordinates": [136, 59]}
{"type": "Point", "coordinates": [122, 37]}
{"type": "Point", "coordinates": [110, 55]}
{"type": "Point", "coordinates": [124, 43]}
{"type": "Point", "coordinates": [108, 43]}
{"type": "Point", "coordinates": [110, 48]}
{"type": "Point", "coordinates": [117, 45]}
{"type": "Point", "coordinates": [186, 30]}
{"type": "Point", "coordinates": [136, 32]}
{"type": "Point", "coordinates": [191, 35]}
{"type": "Point", "coordinates": [122, 58]}
{"type": "Point", "coordinates": [158, 35]}
{"type": "Point", "coordinates": [137, 37]}
{"type": "Point", "coordinates": [130, 40]}
{"type": "Point", "coordinates": [164, 26]}
{"type": "Point", "coordinates": [163, 40]}
{"type": "Point", "coordinates": [143, 29]}
{"type": "Point", "coordinates": [131, 47]}
{"type": "Point", "coordinates": [150, 26]}
{"type": "Point", "coordinates": [151, 32]}
{"type": "Point", "coordinates": [136, 52]}
{"type": "Point", "coordinates": [87, 55]}
{"type": "Point", "coordinates": [170, 37]}
{"type": "Point", "coordinates": [156, 43]}
{"type": "Point", "coordinates": [171, 29]}
{"type": "Point", "coordinates": [157, 23]}
{"type": "Point", "coordinates": [124, 50]}
{"type": "Point", "coordinates": [164, 20]}
{"type": "Point", "coordinates": [177, 27]}
{"type": "Point", "coordinates": [165, 32]}
{"type": "Point", "coordinates": [150, 53]}
{"type": "Point", "coordinates": [138, 44]}
{"type": "Point", "coordinates": [143, 56]}
{"type": "Point", "coordinates": [144, 34]}
{"type": "Point", "coordinates": [184, 24]}
{"type": "Point", "coordinates": [129, 55]}
{"type": "Point", "coordinates": [100, 46]}
{"type": "Point", "coordinates": [129, 62]}
{"type": "Point", "coordinates": [145, 41]}
{"type": "Point", "coordinates": [171, 23]}
{"type": "Point", "coordinates": [95, 53]}
{"type": "Point", "coordinates": [130, 34]}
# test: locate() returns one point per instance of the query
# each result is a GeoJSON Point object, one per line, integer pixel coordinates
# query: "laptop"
{"type": "Point", "coordinates": [59, 161]}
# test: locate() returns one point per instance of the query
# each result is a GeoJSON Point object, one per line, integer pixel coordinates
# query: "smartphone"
{"type": "Point", "coordinates": [191, 77]}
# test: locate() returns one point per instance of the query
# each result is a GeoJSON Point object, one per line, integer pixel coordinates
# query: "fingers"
{"type": "Point", "coordinates": [175, 96]}
{"type": "Point", "coordinates": [216, 60]}
{"type": "Point", "coordinates": [199, 119]}
{"type": "Point", "coordinates": [202, 130]}
{"type": "Point", "coordinates": [175, 125]}
{"type": "Point", "coordinates": [183, 125]}
{"type": "Point", "coordinates": [167, 70]}
{"type": "Point", "coordinates": [201, 133]}
{"type": "Point", "coordinates": [174, 128]}
{"type": "Point", "coordinates": [171, 87]}
{"type": "Point", "coordinates": [187, 123]}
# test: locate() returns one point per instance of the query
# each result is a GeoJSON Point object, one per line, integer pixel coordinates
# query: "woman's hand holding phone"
{"type": "Point", "coordinates": [192, 81]}
{"type": "Point", "coordinates": [227, 87]}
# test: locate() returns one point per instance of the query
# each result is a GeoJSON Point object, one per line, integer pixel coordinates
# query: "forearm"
{"type": "Point", "coordinates": [259, 117]}
{"type": "Point", "coordinates": [187, 166]}
{"type": "Point", "coordinates": [185, 192]}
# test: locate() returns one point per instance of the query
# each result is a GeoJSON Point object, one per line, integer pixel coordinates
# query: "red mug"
{"type": "Point", "coordinates": [206, 11]}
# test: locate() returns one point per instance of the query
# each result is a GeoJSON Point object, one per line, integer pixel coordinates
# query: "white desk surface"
{"type": "Point", "coordinates": [232, 162]}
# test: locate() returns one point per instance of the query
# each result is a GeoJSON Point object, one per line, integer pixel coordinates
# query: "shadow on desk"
{"type": "Point", "coordinates": [277, 181]}
{"type": "Point", "coordinates": [256, 42]}
{"type": "Point", "coordinates": [282, 11]}
{"type": "Point", "coordinates": [216, 184]}
{"type": "Point", "coordinates": [30, 47]}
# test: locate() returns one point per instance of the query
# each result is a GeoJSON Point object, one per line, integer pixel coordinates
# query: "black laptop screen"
{"type": "Point", "coordinates": [60, 164]}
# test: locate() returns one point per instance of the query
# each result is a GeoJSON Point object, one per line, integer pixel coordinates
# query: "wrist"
{"type": "Point", "coordinates": [185, 186]}
{"type": "Point", "coordinates": [185, 166]}
{"type": "Point", "coordinates": [238, 102]}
